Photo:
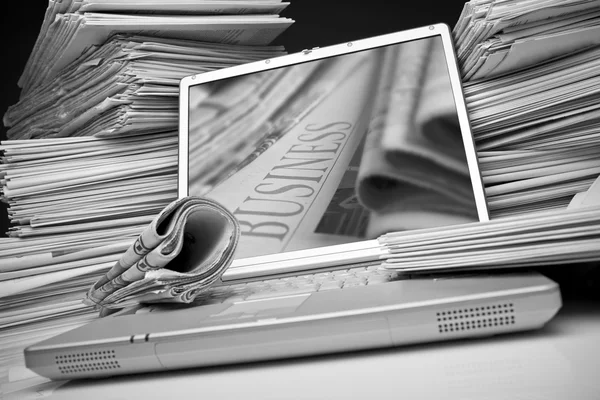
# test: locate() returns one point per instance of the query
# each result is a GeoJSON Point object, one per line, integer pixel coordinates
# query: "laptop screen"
{"type": "Point", "coordinates": [334, 150]}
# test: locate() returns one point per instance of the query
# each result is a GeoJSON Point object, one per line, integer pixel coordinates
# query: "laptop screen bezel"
{"type": "Point", "coordinates": [441, 30]}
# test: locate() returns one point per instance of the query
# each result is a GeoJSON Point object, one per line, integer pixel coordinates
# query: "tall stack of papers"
{"type": "Point", "coordinates": [66, 186]}
{"type": "Point", "coordinates": [126, 85]}
{"type": "Point", "coordinates": [520, 241]}
{"type": "Point", "coordinates": [100, 98]}
{"type": "Point", "coordinates": [494, 37]}
{"type": "Point", "coordinates": [129, 85]}
{"type": "Point", "coordinates": [72, 27]}
{"type": "Point", "coordinates": [532, 87]}
{"type": "Point", "coordinates": [100, 95]}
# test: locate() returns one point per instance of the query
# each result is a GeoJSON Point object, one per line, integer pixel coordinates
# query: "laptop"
{"type": "Point", "coordinates": [317, 153]}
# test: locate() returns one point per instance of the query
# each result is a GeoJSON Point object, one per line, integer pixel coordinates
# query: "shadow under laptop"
{"type": "Point", "coordinates": [550, 360]}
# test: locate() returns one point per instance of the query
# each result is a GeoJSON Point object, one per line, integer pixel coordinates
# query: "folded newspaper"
{"type": "Point", "coordinates": [184, 250]}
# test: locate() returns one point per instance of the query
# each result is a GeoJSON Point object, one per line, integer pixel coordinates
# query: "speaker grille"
{"type": "Point", "coordinates": [475, 318]}
{"type": "Point", "coordinates": [71, 363]}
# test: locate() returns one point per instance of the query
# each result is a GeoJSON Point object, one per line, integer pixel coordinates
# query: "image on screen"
{"type": "Point", "coordinates": [335, 150]}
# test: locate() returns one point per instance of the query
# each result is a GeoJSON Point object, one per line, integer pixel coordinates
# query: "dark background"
{"type": "Point", "coordinates": [318, 24]}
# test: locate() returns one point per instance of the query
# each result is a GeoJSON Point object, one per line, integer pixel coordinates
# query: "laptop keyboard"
{"type": "Point", "coordinates": [318, 282]}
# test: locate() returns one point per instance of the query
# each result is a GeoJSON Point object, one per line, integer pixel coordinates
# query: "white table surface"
{"type": "Point", "coordinates": [560, 361]}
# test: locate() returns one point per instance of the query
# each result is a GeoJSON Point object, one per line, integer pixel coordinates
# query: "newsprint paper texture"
{"type": "Point", "coordinates": [185, 249]}
{"type": "Point", "coordinates": [334, 150]}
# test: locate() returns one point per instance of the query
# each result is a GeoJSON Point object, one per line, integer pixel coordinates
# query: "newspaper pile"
{"type": "Point", "coordinates": [495, 37]}
{"type": "Point", "coordinates": [104, 116]}
{"type": "Point", "coordinates": [540, 239]}
{"type": "Point", "coordinates": [524, 241]}
{"type": "Point", "coordinates": [100, 96]}
{"type": "Point", "coordinates": [127, 86]}
{"type": "Point", "coordinates": [61, 187]}
{"type": "Point", "coordinates": [73, 27]}
{"type": "Point", "coordinates": [532, 79]}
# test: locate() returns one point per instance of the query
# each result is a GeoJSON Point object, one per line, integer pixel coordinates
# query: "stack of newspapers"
{"type": "Point", "coordinates": [100, 96]}
{"type": "Point", "coordinates": [100, 99]}
{"type": "Point", "coordinates": [531, 74]}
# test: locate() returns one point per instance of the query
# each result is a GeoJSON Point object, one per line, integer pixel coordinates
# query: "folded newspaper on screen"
{"type": "Point", "coordinates": [186, 248]}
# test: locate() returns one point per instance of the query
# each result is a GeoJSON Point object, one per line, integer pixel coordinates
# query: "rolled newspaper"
{"type": "Point", "coordinates": [183, 251]}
